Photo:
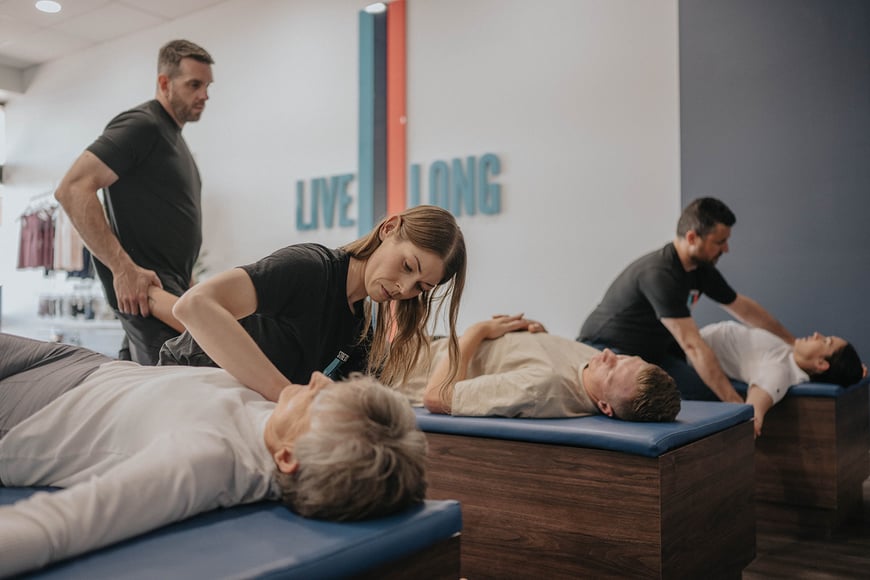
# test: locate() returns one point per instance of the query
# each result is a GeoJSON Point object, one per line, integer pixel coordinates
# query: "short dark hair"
{"type": "Point", "coordinates": [702, 215]}
{"type": "Point", "coordinates": [658, 398]}
{"type": "Point", "coordinates": [171, 53]}
{"type": "Point", "coordinates": [844, 368]}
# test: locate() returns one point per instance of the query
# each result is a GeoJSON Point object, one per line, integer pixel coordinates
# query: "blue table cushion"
{"type": "Point", "coordinates": [262, 540]}
{"type": "Point", "coordinates": [697, 419]}
{"type": "Point", "coordinates": [811, 389]}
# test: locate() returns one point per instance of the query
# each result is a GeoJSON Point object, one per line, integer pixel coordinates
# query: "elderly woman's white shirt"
{"type": "Point", "coordinates": [137, 448]}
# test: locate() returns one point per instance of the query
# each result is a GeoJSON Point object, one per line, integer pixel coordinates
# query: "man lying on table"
{"type": "Point", "coordinates": [511, 367]}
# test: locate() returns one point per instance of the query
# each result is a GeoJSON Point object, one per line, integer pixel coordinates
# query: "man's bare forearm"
{"type": "Point", "coordinates": [438, 396]}
{"type": "Point", "coordinates": [751, 313]}
{"type": "Point", "coordinates": [77, 194]}
{"type": "Point", "coordinates": [86, 213]}
{"type": "Point", "coordinates": [707, 366]}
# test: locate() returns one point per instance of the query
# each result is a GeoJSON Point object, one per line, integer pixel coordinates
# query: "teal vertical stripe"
{"type": "Point", "coordinates": [365, 193]}
{"type": "Point", "coordinates": [379, 127]}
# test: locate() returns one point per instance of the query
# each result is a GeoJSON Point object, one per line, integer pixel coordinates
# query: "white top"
{"type": "Point", "coordinates": [754, 356]}
{"type": "Point", "coordinates": [137, 448]}
{"type": "Point", "coordinates": [518, 375]}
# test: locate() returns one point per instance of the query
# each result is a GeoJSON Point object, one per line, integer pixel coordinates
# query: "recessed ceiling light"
{"type": "Point", "coordinates": [48, 6]}
{"type": "Point", "coordinates": [376, 8]}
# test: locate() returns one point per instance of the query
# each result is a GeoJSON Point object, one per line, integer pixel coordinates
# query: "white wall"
{"type": "Point", "coordinates": [577, 97]}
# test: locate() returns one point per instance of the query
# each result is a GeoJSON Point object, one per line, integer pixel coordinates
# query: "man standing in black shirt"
{"type": "Point", "coordinates": [647, 309]}
{"type": "Point", "coordinates": [152, 197]}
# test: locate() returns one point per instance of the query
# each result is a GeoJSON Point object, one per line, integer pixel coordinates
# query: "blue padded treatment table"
{"type": "Point", "coordinates": [696, 420]}
{"type": "Point", "coordinates": [265, 540]}
{"type": "Point", "coordinates": [594, 496]}
{"type": "Point", "coordinates": [812, 457]}
{"type": "Point", "coordinates": [810, 389]}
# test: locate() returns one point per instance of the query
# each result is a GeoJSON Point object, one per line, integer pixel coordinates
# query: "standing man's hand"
{"type": "Point", "coordinates": [77, 193]}
{"type": "Point", "coordinates": [131, 289]}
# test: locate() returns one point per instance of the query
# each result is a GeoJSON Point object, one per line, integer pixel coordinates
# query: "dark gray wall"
{"type": "Point", "coordinates": [775, 121]}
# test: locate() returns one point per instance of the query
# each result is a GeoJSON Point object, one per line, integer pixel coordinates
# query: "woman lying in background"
{"type": "Point", "coordinates": [769, 365]}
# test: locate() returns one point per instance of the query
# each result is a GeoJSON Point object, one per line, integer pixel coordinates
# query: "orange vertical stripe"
{"type": "Point", "coordinates": [396, 108]}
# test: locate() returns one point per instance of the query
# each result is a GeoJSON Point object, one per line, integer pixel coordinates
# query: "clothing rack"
{"type": "Point", "coordinates": [48, 239]}
{"type": "Point", "coordinates": [40, 202]}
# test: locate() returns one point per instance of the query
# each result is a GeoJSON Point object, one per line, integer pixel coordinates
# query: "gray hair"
{"type": "Point", "coordinates": [363, 455]}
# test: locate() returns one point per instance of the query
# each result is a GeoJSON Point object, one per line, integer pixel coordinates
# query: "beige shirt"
{"type": "Point", "coordinates": [517, 375]}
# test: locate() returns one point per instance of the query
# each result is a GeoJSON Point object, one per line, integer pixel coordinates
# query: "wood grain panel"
{"type": "Point", "coordinates": [533, 510]}
{"type": "Point", "coordinates": [813, 458]}
{"type": "Point", "coordinates": [795, 459]}
{"type": "Point", "coordinates": [437, 562]}
{"type": "Point", "coordinates": [708, 506]}
{"type": "Point", "coordinates": [853, 444]}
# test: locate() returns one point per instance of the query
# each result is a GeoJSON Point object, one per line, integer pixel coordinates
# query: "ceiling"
{"type": "Point", "coordinates": [29, 37]}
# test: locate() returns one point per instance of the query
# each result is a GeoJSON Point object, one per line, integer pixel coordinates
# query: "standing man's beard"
{"type": "Point", "coordinates": [183, 112]}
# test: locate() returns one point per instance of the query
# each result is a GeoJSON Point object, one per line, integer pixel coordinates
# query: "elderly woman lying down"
{"type": "Point", "coordinates": [139, 447]}
{"type": "Point", "coordinates": [510, 367]}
